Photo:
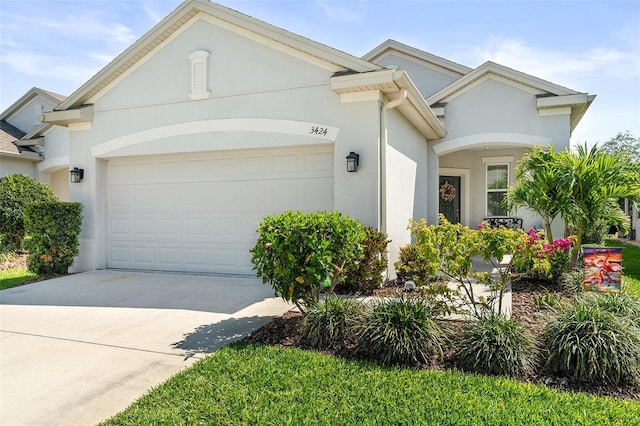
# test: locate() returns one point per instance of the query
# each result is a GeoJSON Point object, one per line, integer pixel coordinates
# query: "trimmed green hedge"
{"type": "Point", "coordinates": [53, 227]}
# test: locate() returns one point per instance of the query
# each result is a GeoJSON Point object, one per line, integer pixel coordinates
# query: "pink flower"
{"type": "Point", "coordinates": [480, 226]}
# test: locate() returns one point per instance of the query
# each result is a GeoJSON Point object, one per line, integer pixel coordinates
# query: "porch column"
{"type": "Point", "coordinates": [433, 176]}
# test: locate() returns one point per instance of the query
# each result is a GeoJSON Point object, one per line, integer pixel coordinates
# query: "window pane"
{"type": "Point", "coordinates": [497, 176]}
{"type": "Point", "coordinates": [494, 203]}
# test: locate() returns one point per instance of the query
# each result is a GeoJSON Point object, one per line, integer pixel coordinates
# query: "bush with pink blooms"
{"type": "Point", "coordinates": [537, 260]}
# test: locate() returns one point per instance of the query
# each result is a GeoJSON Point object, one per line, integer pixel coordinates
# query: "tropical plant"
{"type": "Point", "coordinates": [598, 179]}
{"type": "Point", "coordinates": [587, 341]}
{"type": "Point", "coordinates": [496, 345]}
{"type": "Point", "coordinates": [16, 192]}
{"type": "Point", "coordinates": [572, 282]}
{"type": "Point", "coordinates": [401, 331]}
{"type": "Point", "coordinates": [302, 254]}
{"type": "Point", "coordinates": [540, 186]}
{"type": "Point", "coordinates": [331, 323]}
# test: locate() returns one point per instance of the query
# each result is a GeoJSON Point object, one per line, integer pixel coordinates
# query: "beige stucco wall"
{"type": "Point", "coordinates": [428, 80]}
{"type": "Point", "coordinates": [10, 166]}
{"type": "Point", "coordinates": [248, 80]}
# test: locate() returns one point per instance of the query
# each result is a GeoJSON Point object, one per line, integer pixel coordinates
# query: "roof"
{"type": "Point", "coordinates": [550, 95]}
{"type": "Point", "coordinates": [8, 136]}
{"type": "Point", "coordinates": [54, 98]}
{"type": "Point", "coordinates": [434, 61]}
{"type": "Point", "coordinates": [184, 13]}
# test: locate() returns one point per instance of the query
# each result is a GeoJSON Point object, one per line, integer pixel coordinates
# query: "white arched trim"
{"type": "Point", "coordinates": [490, 140]}
{"type": "Point", "coordinates": [311, 132]}
{"type": "Point", "coordinates": [54, 164]}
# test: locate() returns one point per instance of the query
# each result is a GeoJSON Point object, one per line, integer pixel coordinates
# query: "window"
{"type": "Point", "coordinates": [199, 74]}
{"type": "Point", "coordinates": [497, 184]}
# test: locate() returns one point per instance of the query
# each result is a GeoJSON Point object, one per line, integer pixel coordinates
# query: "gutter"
{"type": "Point", "coordinates": [383, 158]}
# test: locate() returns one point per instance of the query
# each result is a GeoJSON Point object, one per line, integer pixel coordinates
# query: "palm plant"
{"type": "Point", "coordinates": [597, 180]}
{"type": "Point", "coordinates": [540, 186]}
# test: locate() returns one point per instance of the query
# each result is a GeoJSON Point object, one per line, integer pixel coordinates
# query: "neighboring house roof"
{"type": "Point", "coordinates": [9, 135]}
{"type": "Point", "coordinates": [434, 61]}
{"type": "Point", "coordinates": [550, 95]}
{"type": "Point", "coordinates": [183, 14]}
{"type": "Point", "coordinates": [28, 96]}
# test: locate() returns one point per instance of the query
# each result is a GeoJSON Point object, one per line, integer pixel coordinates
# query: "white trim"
{"type": "Point", "coordinates": [465, 183]}
{"type": "Point", "coordinates": [51, 165]}
{"type": "Point", "coordinates": [498, 160]}
{"type": "Point", "coordinates": [297, 128]}
{"type": "Point", "coordinates": [370, 95]}
{"type": "Point", "coordinates": [565, 100]}
{"type": "Point", "coordinates": [486, 177]}
{"type": "Point", "coordinates": [490, 139]}
{"type": "Point", "coordinates": [74, 127]}
{"type": "Point", "coordinates": [546, 112]}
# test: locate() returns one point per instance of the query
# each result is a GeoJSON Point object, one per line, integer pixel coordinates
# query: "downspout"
{"type": "Point", "coordinates": [383, 158]}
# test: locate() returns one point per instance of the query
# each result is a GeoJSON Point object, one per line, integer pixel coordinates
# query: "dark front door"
{"type": "Point", "coordinates": [449, 198]}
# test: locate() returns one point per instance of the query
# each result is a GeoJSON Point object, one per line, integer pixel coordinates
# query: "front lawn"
{"type": "Point", "coordinates": [256, 384]}
{"type": "Point", "coordinates": [14, 277]}
{"type": "Point", "coordinates": [631, 265]}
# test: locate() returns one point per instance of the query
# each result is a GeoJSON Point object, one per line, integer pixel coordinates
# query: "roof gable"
{"type": "Point", "coordinates": [424, 58]}
{"type": "Point", "coordinates": [185, 13]}
{"type": "Point", "coordinates": [492, 70]}
{"type": "Point", "coordinates": [53, 99]}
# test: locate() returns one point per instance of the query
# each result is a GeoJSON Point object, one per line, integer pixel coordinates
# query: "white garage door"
{"type": "Point", "coordinates": [199, 212]}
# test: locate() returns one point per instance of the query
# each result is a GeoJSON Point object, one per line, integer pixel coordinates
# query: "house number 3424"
{"type": "Point", "coordinates": [316, 130]}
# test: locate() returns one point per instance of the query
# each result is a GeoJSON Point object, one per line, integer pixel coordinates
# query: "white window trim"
{"type": "Point", "coordinates": [37, 113]}
{"type": "Point", "coordinates": [199, 83]}
{"type": "Point", "coordinates": [486, 179]}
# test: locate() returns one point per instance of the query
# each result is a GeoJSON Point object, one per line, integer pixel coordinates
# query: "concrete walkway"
{"type": "Point", "coordinates": [78, 349]}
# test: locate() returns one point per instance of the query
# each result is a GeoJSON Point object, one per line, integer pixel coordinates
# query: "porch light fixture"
{"type": "Point", "coordinates": [353, 161]}
{"type": "Point", "coordinates": [76, 175]}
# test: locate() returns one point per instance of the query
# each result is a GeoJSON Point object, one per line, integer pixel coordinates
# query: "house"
{"type": "Point", "coordinates": [22, 136]}
{"type": "Point", "coordinates": [214, 119]}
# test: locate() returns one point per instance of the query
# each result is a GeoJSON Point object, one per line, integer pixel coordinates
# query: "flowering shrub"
{"type": "Point", "coordinates": [542, 261]}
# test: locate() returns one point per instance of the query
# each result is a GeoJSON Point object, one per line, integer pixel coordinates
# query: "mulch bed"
{"type": "Point", "coordinates": [284, 331]}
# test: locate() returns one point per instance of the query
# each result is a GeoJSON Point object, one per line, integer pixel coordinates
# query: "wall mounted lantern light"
{"type": "Point", "coordinates": [353, 161]}
{"type": "Point", "coordinates": [76, 175]}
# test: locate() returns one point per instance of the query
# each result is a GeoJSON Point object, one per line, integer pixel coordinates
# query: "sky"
{"type": "Point", "coordinates": [589, 46]}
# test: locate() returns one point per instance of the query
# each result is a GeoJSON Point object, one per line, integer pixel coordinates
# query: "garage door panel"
{"type": "Point", "coordinates": [199, 212]}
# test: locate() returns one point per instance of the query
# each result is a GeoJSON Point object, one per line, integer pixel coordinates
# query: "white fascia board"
{"type": "Point", "coordinates": [28, 156]}
{"type": "Point", "coordinates": [359, 82]}
{"type": "Point", "coordinates": [65, 117]}
{"type": "Point", "coordinates": [415, 108]}
{"type": "Point", "coordinates": [561, 101]}
{"type": "Point", "coordinates": [30, 142]}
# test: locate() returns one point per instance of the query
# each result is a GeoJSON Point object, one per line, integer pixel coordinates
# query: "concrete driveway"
{"type": "Point", "coordinates": [76, 350]}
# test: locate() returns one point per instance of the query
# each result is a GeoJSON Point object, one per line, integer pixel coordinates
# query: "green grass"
{"type": "Point", "coordinates": [631, 265]}
{"type": "Point", "coordinates": [255, 384]}
{"type": "Point", "coordinates": [13, 277]}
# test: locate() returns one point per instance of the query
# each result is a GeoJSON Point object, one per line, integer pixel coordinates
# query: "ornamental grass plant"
{"type": "Point", "coordinates": [496, 345]}
{"type": "Point", "coordinates": [331, 323]}
{"type": "Point", "coordinates": [588, 341]}
{"type": "Point", "coordinates": [401, 331]}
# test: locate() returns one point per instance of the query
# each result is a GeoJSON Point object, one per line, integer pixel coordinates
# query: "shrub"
{"type": "Point", "coordinates": [331, 323]}
{"type": "Point", "coordinates": [400, 331]}
{"type": "Point", "coordinates": [300, 254]}
{"type": "Point", "coordinates": [496, 345]}
{"type": "Point", "coordinates": [53, 228]}
{"type": "Point", "coordinates": [366, 275]}
{"type": "Point", "coordinates": [586, 341]}
{"type": "Point", "coordinates": [16, 192]}
{"type": "Point", "coordinates": [572, 282]}
{"type": "Point", "coordinates": [620, 304]}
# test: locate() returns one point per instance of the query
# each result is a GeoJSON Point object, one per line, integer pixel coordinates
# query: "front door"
{"type": "Point", "coordinates": [449, 198]}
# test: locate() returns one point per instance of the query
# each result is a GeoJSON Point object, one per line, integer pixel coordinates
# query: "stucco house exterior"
{"type": "Point", "coordinates": [22, 141]}
{"type": "Point", "coordinates": [214, 119]}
